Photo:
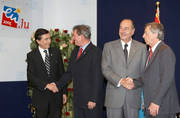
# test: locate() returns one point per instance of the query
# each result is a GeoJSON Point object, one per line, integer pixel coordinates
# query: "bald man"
{"type": "Point", "coordinates": [123, 58]}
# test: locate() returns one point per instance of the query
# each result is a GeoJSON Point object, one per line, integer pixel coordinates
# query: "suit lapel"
{"type": "Point", "coordinates": [120, 50]}
{"type": "Point", "coordinates": [85, 52]}
{"type": "Point", "coordinates": [75, 53]}
{"type": "Point", "coordinates": [154, 55]}
{"type": "Point", "coordinates": [40, 60]}
{"type": "Point", "coordinates": [50, 56]}
{"type": "Point", "coordinates": [132, 52]}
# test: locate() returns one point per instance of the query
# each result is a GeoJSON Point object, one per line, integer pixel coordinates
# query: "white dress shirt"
{"type": "Point", "coordinates": [153, 49]}
{"type": "Point", "coordinates": [155, 46]}
{"type": "Point", "coordinates": [85, 46]}
{"type": "Point", "coordinates": [43, 53]}
{"type": "Point", "coordinates": [128, 49]}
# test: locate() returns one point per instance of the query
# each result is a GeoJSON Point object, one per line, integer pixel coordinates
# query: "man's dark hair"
{"type": "Point", "coordinates": [132, 22]}
{"type": "Point", "coordinates": [39, 32]}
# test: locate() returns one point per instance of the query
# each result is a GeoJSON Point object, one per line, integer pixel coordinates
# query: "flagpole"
{"type": "Point", "coordinates": [157, 16]}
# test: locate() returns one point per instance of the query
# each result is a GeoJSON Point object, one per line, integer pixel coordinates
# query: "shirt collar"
{"type": "Point", "coordinates": [85, 46]}
{"type": "Point", "coordinates": [42, 50]}
{"type": "Point", "coordinates": [129, 43]}
{"type": "Point", "coordinates": [155, 46]}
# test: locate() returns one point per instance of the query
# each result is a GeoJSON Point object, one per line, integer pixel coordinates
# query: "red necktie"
{"type": "Point", "coordinates": [150, 55]}
{"type": "Point", "coordinates": [79, 54]}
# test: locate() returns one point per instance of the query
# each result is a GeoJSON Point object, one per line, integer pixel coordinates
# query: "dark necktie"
{"type": "Point", "coordinates": [79, 53]}
{"type": "Point", "coordinates": [125, 51]}
{"type": "Point", "coordinates": [47, 62]}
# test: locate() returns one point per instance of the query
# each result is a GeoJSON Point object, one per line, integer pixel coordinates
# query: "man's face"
{"type": "Point", "coordinates": [77, 39]}
{"type": "Point", "coordinates": [45, 41]}
{"type": "Point", "coordinates": [149, 36]}
{"type": "Point", "coordinates": [126, 30]}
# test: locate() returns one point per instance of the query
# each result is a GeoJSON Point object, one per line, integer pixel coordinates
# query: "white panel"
{"type": "Point", "coordinates": [64, 14]}
{"type": "Point", "coordinates": [14, 42]}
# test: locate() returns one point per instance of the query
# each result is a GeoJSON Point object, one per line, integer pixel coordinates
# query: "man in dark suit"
{"type": "Point", "coordinates": [160, 94]}
{"type": "Point", "coordinates": [45, 66]}
{"type": "Point", "coordinates": [85, 70]}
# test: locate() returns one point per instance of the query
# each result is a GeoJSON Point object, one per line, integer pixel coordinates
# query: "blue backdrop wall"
{"type": "Point", "coordinates": [14, 100]}
{"type": "Point", "coordinates": [13, 95]}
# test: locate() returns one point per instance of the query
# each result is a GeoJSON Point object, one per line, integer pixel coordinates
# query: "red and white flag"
{"type": "Point", "coordinates": [157, 17]}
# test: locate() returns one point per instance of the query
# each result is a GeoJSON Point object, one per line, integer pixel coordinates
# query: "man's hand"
{"type": "Point", "coordinates": [64, 98]}
{"type": "Point", "coordinates": [127, 83]}
{"type": "Point", "coordinates": [153, 109]}
{"type": "Point", "coordinates": [91, 105]}
{"type": "Point", "coordinates": [143, 104]}
{"type": "Point", "coordinates": [52, 87]}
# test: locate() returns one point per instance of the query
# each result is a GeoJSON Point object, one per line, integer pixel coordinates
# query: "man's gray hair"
{"type": "Point", "coordinates": [84, 30]}
{"type": "Point", "coordinates": [156, 28]}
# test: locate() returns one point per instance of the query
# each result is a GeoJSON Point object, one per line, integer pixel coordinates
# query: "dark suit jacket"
{"type": "Point", "coordinates": [38, 77]}
{"type": "Point", "coordinates": [158, 79]}
{"type": "Point", "coordinates": [87, 77]}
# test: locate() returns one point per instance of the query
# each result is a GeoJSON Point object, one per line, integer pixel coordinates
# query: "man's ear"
{"type": "Point", "coordinates": [82, 36]}
{"type": "Point", "coordinates": [134, 30]}
{"type": "Point", "coordinates": [156, 35]}
{"type": "Point", "coordinates": [38, 42]}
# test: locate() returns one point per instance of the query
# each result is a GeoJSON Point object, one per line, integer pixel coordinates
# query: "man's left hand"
{"type": "Point", "coordinates": [127, 83]}
{"type": "Point", "coordinates": [91, 105]}
{"type": "Point", "coordinates": [154, 109]}
{"type": "Point", "coordinates": [64, 98]}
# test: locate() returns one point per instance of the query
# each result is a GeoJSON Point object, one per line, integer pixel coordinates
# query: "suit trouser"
{"type": "Point", "coordinates": [124, 112]}
{"type": "Point", "coordinates": [97, 112]}
{"type": "Point", "coordinates": [48, 108]}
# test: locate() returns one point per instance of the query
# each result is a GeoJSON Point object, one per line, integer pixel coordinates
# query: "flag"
{"type": "Point", "coordinates": [157, 19]}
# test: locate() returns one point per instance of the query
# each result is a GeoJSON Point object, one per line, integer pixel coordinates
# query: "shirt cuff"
{"type": "Point", "coordinates": [119, 84]}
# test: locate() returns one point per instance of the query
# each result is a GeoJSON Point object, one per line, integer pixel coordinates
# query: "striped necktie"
{"type": "Point", "coordinates": [47, 62]}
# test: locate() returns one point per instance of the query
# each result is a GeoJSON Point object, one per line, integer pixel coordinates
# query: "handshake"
{"type": "Point", "coordinates": [127, 83]}
{"type": "Point", "coordinates": [52, 87]}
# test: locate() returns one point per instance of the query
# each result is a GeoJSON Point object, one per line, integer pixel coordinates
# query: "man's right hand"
{"type": "Point", "coordinates": [127, 83]}
{"type": "Point", "coordinates": [52, 87]}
